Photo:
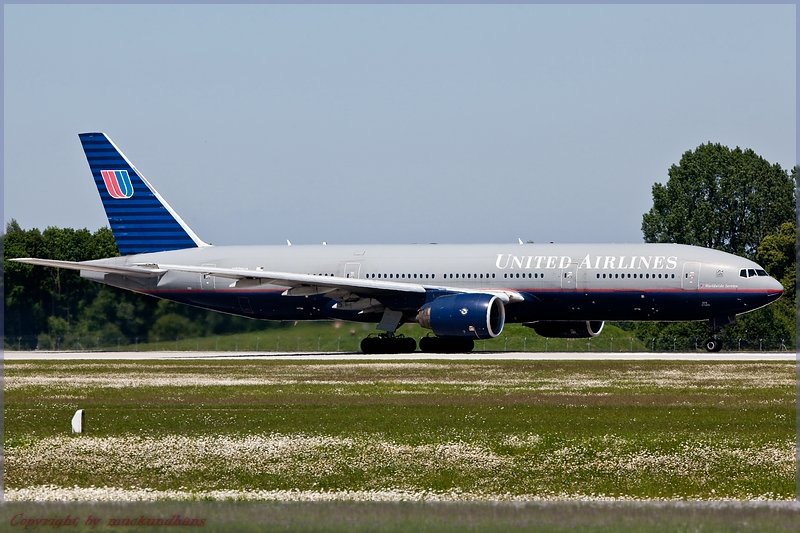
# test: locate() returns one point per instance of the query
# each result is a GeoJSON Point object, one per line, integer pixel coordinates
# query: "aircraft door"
{"type": "Point", "coordinates": [352, 270]}
{"type": "Point", "coordinates": [208, 282]}
{"type": "Point", "coordinates": [691, 271]}
{"type": "Point", "coordinates": [569, 277]}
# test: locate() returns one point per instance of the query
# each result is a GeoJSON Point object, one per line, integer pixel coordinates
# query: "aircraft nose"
{"type": "Point", "coordinates": [774, 288]}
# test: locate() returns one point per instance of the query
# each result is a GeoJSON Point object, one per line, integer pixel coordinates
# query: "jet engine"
{"type": "Point", "coordinates": [568, 329]}
{"type": "Point", "coordinates": [480, 316]}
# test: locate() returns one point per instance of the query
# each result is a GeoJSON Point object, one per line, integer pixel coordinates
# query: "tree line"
{"type": "Point", "coordinates": [727, 199]}
{"type": "Point", "coordinates": [50, 308]}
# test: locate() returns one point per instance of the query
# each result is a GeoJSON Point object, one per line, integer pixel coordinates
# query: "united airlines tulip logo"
{"type": "Point", "coordinates": [118, 183]}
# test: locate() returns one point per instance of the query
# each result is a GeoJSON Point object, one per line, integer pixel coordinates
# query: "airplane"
{"type": "Point", "coordinates": [461, 293]}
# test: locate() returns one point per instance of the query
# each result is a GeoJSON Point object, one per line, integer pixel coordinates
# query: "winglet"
{"type": "Point", "coordinates": [140, 219]}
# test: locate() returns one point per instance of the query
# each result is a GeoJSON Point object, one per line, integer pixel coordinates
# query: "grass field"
{"type": "Point", "coordinates": [300, 431]}
{"type": "Point", "coordinates": [332, 336]}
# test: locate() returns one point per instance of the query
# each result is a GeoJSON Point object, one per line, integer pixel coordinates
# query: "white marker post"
{"type": "Point", "coordinates": [77, 421]}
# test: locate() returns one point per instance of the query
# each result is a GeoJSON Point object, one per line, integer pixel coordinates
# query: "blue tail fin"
{"type": "Point", "coordinates": [140, 219]}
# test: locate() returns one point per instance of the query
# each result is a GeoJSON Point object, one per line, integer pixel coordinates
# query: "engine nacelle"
{"type": "Point", "coordinates": [568, 329]}
{"type": "Point", "coordinates": [479, 316]}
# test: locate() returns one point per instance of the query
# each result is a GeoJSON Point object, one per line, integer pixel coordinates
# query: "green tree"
{"type": "Point", "coordinates": [731, 200]}
{"type": "Point", "coordinates": [720, 198]}
{"type": "Point", "coordinates": [171, 326]}
{"type": "Point", "coordinates": [774, 325]}
{"type": "Point", "coordinates": [35, 294]}
{"type": "Point", "coordinates": [776, 253]}
{"type": "Point", "coordinates": [51, 308]}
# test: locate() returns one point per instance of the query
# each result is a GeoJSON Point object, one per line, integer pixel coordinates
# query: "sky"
{"type": "Point", "coordinates": [389, 123]}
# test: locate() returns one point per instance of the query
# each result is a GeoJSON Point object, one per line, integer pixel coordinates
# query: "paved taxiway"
{"type": "Point", "coordinates": [480, 356]}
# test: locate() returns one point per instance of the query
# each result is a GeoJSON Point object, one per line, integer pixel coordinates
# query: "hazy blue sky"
{"type": "Point", "coordinates": [379, 123]}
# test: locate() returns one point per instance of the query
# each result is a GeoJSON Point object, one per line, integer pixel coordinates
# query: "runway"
{"type": "Point", "coordinates": [416, 356]}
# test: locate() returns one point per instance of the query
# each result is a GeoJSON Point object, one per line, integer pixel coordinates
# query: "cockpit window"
{"type": "Point", "coordinates": [751, 272]}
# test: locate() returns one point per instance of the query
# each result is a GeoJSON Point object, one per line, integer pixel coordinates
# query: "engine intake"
{"type": "Point", "coordinates": [568, 329]}
{"type": "Point", "coordinates": [480, 316]}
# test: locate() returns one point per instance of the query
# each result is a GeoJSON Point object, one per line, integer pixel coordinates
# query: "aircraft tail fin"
{"type": "Point", "coordinates": [140, 219]}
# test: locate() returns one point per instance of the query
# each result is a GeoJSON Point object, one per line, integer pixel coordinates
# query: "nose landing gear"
{"type": "Point", "coordinates": [713, 345]}
{"type": "Point", "coordinates": [716, 324]}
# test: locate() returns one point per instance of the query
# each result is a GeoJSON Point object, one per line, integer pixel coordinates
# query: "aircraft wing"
{"type": "Point", "coordinates": [135, 271]}
{"type": "Point", "coordinates": [310, 284]}
{"type": "Point", "coordinates": [296, 281]}
{"type": "Point", "coordinates": [339, 288]}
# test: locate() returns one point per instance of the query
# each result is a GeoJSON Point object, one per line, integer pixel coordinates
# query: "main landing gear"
{"type": "Point", "coordinates": [446, 344]}
{"type": "Point", "coordinates": [393, 344]}
{"type": "Point", "coordinates": [388, 343]}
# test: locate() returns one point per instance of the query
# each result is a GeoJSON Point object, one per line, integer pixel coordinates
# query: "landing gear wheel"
{"type": "Point", "coordinates": [427, 344]}
{"type": "Point", "coordinates": [410, 345]}
{"type": "Point", "coordinates": [446, 345]}
{"type": "Point", "coordinates": [388, 344]}
{"type": "Point", "coordinates": [713, 345]}
{"type": "Point", "coordinates": [370, 345]}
